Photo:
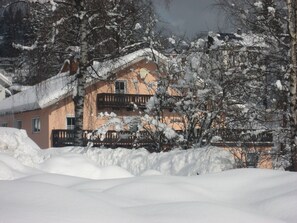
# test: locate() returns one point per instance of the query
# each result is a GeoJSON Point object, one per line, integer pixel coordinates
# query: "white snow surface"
{"type": "Point", "coordinates": [244, 40]}
{"type": "Point", "coordinates": [279, 85]}
{"type": "Point", "coordinates": [70, 185]}
{"type": "Point", "coordinates": [89, 161]}
{"type": "Point", "coordinates": [259, 4]}
{"type": "Point", "coordinates": [4, 81]}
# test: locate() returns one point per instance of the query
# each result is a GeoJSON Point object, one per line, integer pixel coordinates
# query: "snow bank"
{"type": "Point", "coordinates": [77, 185]}
{"type": "Point", "coordinates": [246, 195]}
{"type": "Point", "coordinates": [89, 162]}
{"type": "Point", "coordinates": [176, 162]}
{"type": "Point", "coordinates": [16, 143]}
{"type": "Point", "coordinates": [11, 168]}
{"type": "Point", "coordinates": [83, 167]}
{"type": "Point", "coordinates": [102, 163]}
{"type": "Point", "coordinates": [141, 162]}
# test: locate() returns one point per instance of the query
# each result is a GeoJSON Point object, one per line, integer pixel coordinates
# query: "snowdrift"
{"type": "Point", "coordinates": [99, 185]}
{"type": "Point", "coordinates": [89, 161]}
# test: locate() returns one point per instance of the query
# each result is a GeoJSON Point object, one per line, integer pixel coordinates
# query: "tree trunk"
{"type": "Point", "coordinates": [81, 75]}
{"type": "Point", "coordinates": [292, 12]}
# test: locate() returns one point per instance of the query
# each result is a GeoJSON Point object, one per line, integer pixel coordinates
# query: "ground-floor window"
{"type": "Point", "coordinates": [70, 122]}
{"type": "Point", "coordinates": [18, 124]}
{"type": "Point", "coordinates": [36, 125]}
{"type": "Point", "coordinates": [4, 124]}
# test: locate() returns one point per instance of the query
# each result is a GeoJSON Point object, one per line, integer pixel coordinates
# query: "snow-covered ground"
{"type": "Point", "coordinates": [105, 185]}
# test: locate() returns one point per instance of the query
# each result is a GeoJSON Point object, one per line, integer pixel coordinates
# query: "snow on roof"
{"type": "Point", "coordinates": [4, 81]}
{"type": "Point", "coordinates": [244, 39]}
{"type": "Point", "coordinates": [55, 88]}
{"type": "Point", "coordinates": [103, 69]}
{"type": "Point", "coordinates": [18, 88]}
{"type": "Point", "coordinates": [37, 96]}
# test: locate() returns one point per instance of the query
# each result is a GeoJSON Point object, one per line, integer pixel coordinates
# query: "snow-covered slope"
{"type": "Point", "coordinates": [246, 195]}
{"type": "Point", "coordinates": [73, 185]}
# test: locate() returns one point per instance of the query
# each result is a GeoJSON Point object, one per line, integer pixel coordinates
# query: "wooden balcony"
{"type": "Point", "coordinates": [117, 101]}
{"type": "Point", "coordinates": [109, 100]}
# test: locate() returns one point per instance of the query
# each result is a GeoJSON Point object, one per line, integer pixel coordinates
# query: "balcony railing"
{"type": "Point", "coordinates": [247, 137]}
{"type": "Point", "coordinates": [230, 137]}
{"type": "Point", "coordinates": [109, 100]}
{"type": "Point", "coordinates": [63, 137]}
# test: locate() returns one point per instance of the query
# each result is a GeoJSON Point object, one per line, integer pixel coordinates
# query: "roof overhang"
{"type": "Point", "coordinates": [4, 81]}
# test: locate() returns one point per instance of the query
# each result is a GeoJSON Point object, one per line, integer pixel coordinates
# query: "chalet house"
{"type": "Point", "coordinates": [46, 110]}
{"type": "Point", "coordinates": [113, 86]}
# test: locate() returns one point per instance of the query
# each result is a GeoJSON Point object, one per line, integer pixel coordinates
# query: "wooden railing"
{"type": "Point", "coordinates": [109, 100]}
{"type": "Point", "coordinates": [62, 137]}
{"type": "Point", "coordinates": [243, 137]}
{"type": "Point", "coordinates": [230, 137]}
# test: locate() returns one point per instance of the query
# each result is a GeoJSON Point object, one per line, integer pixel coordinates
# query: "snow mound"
{"type": "Point", "coordinates": [80, 166]}
{"type": "Point", "coordinates": [75, 185]}
{"type": "Point", "coordinates": [11, 168]}
{"type": "Point", "coordinates": [97, 163]}
{"type": "Point", "coordinates": [245, 195]}
{"type": "Point", "coordinates": [15, 142]}
{"type": "Point", "coordinates": [176, 162]}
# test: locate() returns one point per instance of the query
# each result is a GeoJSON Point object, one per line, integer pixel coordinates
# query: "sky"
{"type": "Point", "coordinates": [192, 16]}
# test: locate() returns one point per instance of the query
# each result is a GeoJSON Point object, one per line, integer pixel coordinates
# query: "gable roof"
{"type": "Point", "coordinates": [60, 86]}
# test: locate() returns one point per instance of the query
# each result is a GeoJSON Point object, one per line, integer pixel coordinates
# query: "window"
{"type": "Point", "coordinates": [120, 87]}
{"type": "Point", "coordinates": [18, 124]}
{"type": "Point", "coordinates": [36, 125]}
{"type": "Point", "coordinates": [70, 123]}
{"type": "Point", "coordinates": [4, 124]}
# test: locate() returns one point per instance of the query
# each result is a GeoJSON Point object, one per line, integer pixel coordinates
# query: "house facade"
{"type": "Point", "coordinates": [122, 87]}
{"type": "Point", "coordinates": [118, 87]}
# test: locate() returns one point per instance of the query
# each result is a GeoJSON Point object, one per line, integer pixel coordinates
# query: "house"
{"type": "Point", "coordinates": [247, 54]}
{"type": "Point", "coordinates": [46, 110]}
{"type": "Point", "coordinates": [4, 84]}
{"type": "Point", "coordinates": [113, 86]}
{"type": "Point", "coordinates": [234, 49]}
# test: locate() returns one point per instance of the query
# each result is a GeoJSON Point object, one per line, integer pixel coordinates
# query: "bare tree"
{"type": "Point", "coordinates": [97, 30]}
{"type": "Point", "coordinates": [292, 18]}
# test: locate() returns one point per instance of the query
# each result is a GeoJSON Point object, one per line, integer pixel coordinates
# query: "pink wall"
{"type": "Point", "coordinates": [41, 138]}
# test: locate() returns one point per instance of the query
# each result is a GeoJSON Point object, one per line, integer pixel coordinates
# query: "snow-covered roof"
{"type": "Point", "coordinates": [55, 88]}
{"type": "Point", "coordinates": [234, 39]}
{"type": "Point", "coordinates": [4, 81]}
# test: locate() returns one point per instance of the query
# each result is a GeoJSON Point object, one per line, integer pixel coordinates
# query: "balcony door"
{"type": "Point", "coordinates": [121, 87]}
